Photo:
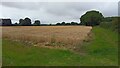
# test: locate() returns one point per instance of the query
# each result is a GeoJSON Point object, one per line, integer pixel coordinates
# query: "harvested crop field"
{"type": "Point", "coordinates": [47, 35]}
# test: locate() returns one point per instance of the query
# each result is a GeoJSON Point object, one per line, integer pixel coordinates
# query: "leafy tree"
{"type": "Point", "coordinates": [58, 24]}
{"type": "Point", "coordinates": [74, 23]}
{"type": "Point", "coordinates": [21, 22]}
{"type": "Point", "coordinates": [63, 23]}
{"type": "Point", "coordinates": [67, 24]}
{"type": "Point", "coordinates": [25, 22]}
{"type": "Point", "coordinates": [91, 18]}
{"type": "Point", "coordinates": [37, 23]}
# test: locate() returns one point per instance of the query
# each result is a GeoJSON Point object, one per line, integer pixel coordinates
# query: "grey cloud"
{"type": "Point", "coordinates": [75, 8]}
{"type": "Point", "coordinates": [22, 5]}
{"type": "Point", "coordinates": [119, 8]}
{"type": "Point", "coordinates": [52, 12]}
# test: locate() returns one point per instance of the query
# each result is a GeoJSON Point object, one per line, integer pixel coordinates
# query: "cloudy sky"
{"type": "Point", "coordinates": [54, 12]}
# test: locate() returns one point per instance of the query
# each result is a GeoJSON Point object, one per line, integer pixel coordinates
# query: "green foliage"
{"type": "Point", "coordinates": [67, 24]}
{"type": "Point", "coordinates": [107, 19]}
{"type": "Point", "coordinates": [91, 18]}
{"type": "Point", "coordinates": [58, 24]}
{"type": "Point", "coordinates": [21, 22]}
{"type": "Point", "coordinates": [37, 23]}
{"type": "Point", "coordinates": [25, 22]}
{"type": "Point", "coordinates": [74, 23]}
{"type": "Point", "coordinates": [107, 25]}
{"type": "Point", "coordinates": [63, 23]}
{"type": "Point", "coordinates": [111, 23]}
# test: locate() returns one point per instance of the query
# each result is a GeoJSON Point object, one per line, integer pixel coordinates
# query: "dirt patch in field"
{"type": "Point", "coordinates": [56, 36]}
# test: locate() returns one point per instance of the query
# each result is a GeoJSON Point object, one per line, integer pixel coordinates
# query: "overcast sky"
{"type": "Point", "coordinates": [54, 12]}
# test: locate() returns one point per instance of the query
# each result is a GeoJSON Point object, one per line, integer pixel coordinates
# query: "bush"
{"type": "Point", "coordinates": [113, 24]}
{"type": "Point", "coordinates": [36, 23]}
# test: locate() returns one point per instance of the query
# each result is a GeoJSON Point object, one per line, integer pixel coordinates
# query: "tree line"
{"type": "Point", "coordinates": [72, 23]}
{"type": "Point", "coordinates": [27, 22]}
{"type": "Point", "coordinates": [22, 22]}
{"type": "Point", "coordinates": [90, 18]}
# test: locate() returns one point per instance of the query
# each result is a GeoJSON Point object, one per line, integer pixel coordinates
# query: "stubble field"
{"type": "Point", "coordinates": [67, 36]}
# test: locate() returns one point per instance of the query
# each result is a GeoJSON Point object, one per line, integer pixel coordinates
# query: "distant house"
{"type": "Point", "coordinates": [5, 22]}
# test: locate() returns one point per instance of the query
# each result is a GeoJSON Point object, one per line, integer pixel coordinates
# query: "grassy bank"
{"type": "Point", "coordinates": [104, 46]}
{"type": "Point", "coordinates": [102, 50]}
{"type": "Point", "coordinates": [16, 53]}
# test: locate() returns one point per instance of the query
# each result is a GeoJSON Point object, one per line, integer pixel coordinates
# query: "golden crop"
{"type": "Point", "coordinates": [47, 35]}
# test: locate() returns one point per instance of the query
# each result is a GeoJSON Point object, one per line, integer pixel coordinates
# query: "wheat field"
{"type": "Point", "coordinates": [67, 36]}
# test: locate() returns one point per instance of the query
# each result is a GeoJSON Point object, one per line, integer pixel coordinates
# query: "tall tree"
{"type": "Point", "coordinates": [91, 18]}
{"type": "Point", "coordinates": [21, 22]}
{"type": "Point", "coordinates": [25, 22]}
{"type": "Point", "coordinates": [63, 23]}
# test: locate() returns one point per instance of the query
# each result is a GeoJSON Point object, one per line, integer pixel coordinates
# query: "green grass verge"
{"type": "Point", "coordinates": [18, 54]}
{"type": "Point", "coordinates": [0, 52]}
{"type": "Point", "coordinates": [101, 51]}
{"type": "Point", "coordinates": [104, 47]}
